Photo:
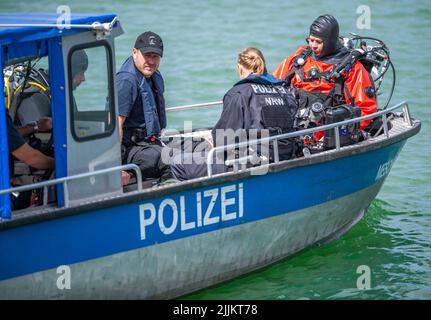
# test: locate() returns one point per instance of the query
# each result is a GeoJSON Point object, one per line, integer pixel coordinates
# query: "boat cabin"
{"type": "Point", "coordinates": [84, 134]}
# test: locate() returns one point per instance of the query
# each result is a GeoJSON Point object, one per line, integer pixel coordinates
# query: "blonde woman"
{"type": "Point", "coordinates": [258, 101]}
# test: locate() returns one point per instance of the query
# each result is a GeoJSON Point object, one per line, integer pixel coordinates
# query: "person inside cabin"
{"type": "Point", "coordinates": [79, 66]}
{"type": "Point", "coordinates": [142, 114]}
{"type": "Point", "coordinates": [21, 150]}
{"type": "Point", "coordinates": [257, 102]}
{"type": "Point", "coordinates": [44, 124]}
{"type": "Point", "coordinates": [305, 69]}
{"type": "Point", "coordinates": [30, 108]}
{"type": "Point", "coordinates": [25, 108]}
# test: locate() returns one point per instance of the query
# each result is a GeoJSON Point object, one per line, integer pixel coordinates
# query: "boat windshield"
{"type": "Point", "coordinates": [92, 92]}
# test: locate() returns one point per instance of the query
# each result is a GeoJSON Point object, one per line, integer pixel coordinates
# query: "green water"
{"type": "Point", "coordinates": [202, 39]}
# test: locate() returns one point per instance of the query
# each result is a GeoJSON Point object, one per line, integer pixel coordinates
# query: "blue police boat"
{"type": "Point", "coordinates": [85, 236]}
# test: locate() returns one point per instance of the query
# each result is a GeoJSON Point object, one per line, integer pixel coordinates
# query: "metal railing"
{"type": "Point", "coordinates": [107, 26]}
{"type": "Point", "coordinates": [64, 181]}
{"type": "Point", "coordinates": [194, 106]}
{"type": "Point", "coordinates": [334, 126]}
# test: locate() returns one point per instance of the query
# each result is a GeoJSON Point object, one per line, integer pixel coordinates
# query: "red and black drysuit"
{"type": "Point", "coordinates": [356, 83]}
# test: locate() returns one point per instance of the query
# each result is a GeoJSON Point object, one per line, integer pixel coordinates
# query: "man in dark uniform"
{"type": "Point", "coordinates": [22, 151]}
{"type": "Point", "coordinates": [35, 105]}
{"type": "Point", "coordinates": [141, 102]}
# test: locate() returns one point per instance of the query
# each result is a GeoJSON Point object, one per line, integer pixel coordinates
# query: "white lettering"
{"type": "Point", "coordinates": [184, 224]}
{"type": "Point", "coordinates": [169, 219]}
{"type": "Point", "coordinates": [241, 200]}
{"type": "Point", "coordinates": [199, 208]}
{"type": "Point", "coordinates": [271, 101]}
{"type": "Point", "coordinates": [364, 20]}
{"type": "Point", "coordinates": [207, 220]}
{"type": "Point", "coordinates": [181, 310]}
{"type": "Point", "coordinates": [384, 169]}
{"type": "Point", "coordinates": [64, 18]}
{"type": "Point", "coordinates": [173, 205]}
{"type": "Point", "coordinates": [146, 222]}
{"type": "Point", "coordinates": [64, 280]}
{"type": "Point", "coordinates": [227, 202]}
{"type": "Point", "coordinates": [188, 142]}
{"type": "Point", "coordinates": [255, 88]}
{"type": "Point", "coordinates": [281, 89]}
{"type": "Point", "coordinates": [263, 158]}
{"type": "Point", "coordinates": [258, 88]}
{"type": "Point", "coordinates": [364, 280]}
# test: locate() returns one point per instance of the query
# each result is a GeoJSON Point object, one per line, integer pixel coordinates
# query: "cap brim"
{"type": "Point", "coordinates": [152, 50]}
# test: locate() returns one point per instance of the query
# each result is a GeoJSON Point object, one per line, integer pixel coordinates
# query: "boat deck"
{"type": "Point", "coordinates": [398, 131]}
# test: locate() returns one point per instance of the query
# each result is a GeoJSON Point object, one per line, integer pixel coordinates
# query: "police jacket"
{"type": "Point", "coordinates": [257, 102]}
{"type": "Point", "coordinates": [141, 97]}
{"type": "Point", "coordinates": [357, 80]}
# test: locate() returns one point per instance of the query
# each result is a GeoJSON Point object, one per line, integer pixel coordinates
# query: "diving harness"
{"type": "Point", "coordinates": [317, 109]}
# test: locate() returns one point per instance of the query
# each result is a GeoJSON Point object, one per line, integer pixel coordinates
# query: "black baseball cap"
{"type": "Point", "coordinates": [149, 42]}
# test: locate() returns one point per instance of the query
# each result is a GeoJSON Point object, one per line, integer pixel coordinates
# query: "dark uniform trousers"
{"type": "Point", "coordinates": [147, 156]}
{"type": "Point", "coordinates": [183, 167]}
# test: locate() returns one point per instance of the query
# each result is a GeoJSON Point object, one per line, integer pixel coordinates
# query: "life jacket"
{"type": "Point", "coordinates": [153, 102]}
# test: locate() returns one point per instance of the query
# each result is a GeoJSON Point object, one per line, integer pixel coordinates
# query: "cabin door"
{"type": "Point", "coordinates": [92, 132]}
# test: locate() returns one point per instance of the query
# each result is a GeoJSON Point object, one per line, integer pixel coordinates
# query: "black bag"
{"type": "Point", "coordinates": [349, 134]}
{"type": "Point", "coordinates": [307, 98]}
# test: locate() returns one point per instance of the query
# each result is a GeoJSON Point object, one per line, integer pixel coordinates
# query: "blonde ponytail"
{"type": "Point", "coordinates": [253, 60]}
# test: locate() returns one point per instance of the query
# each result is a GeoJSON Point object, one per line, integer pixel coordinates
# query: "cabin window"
{"type": "Point", "coordinates": [91, 91]}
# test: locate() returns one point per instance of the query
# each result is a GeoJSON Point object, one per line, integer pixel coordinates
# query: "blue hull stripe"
{"type": "Point", "coordinates": [100, 233]}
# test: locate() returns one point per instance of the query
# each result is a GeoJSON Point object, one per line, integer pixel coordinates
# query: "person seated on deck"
{"type": "Point", "coordinates": [257, 106]}
{"type": "Point", "coordinates": [305, 69]}
{"type": "Point", "coordinates": [142, 113]}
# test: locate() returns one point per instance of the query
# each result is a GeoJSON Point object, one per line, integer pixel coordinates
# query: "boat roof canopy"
{"type": "Point", "coordinates": [26, 37]}
{"type": "Point", "coordinates": [26, 32]}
